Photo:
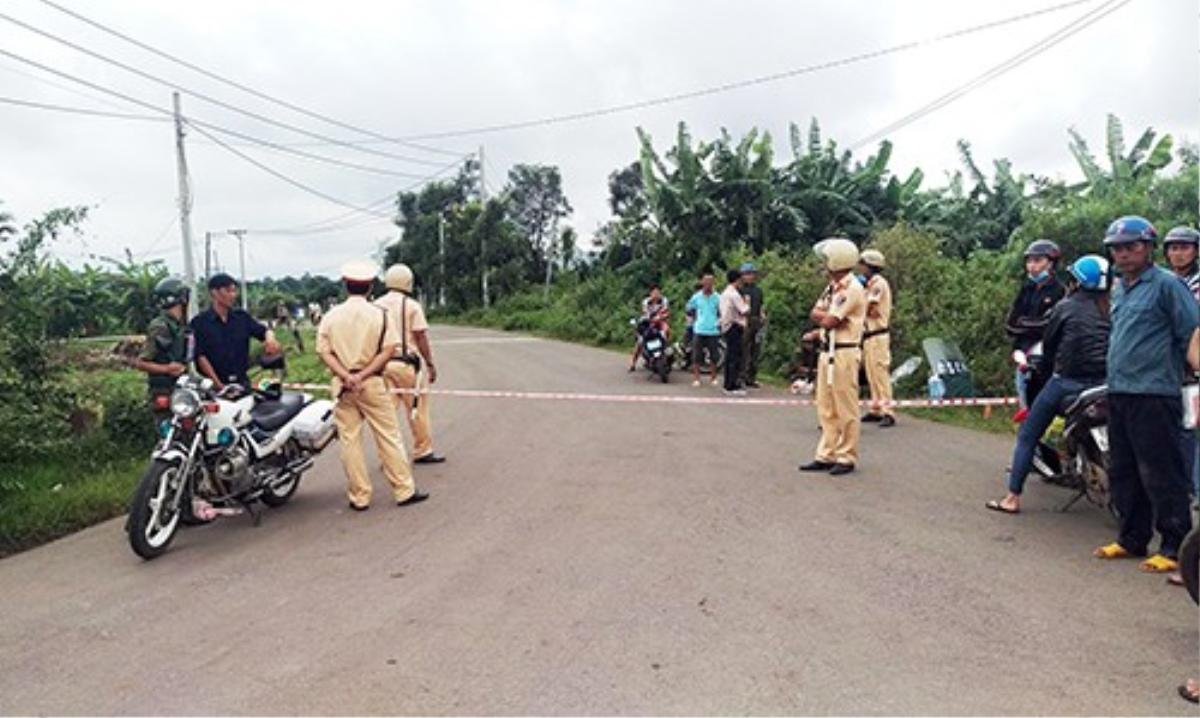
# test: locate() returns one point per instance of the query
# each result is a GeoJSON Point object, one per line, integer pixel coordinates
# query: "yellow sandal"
{"type": "Point", "coordinates": [1159, 564]}
{"type": "Point", "coordinates": [1113, 550]}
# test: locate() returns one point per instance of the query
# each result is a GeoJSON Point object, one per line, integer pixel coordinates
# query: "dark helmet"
{"type": "Point", "coordinates": [170, 292]}
{"type": "Point", "coordinates": [1130, 229]}
{"type": "Point", "coordinates": [1044, 248]}
{"type": "Point", "coordinates": [1182, 235]}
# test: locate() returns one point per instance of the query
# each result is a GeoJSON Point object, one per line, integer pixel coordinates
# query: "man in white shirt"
{"type": "Point", "coordinates": [734, 310]}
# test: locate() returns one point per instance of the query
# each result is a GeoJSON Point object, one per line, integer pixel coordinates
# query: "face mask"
{"type": "Point", "coordinates": [1040, 276]}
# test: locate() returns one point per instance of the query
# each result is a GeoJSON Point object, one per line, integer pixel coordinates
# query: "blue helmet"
{"type": "Point", "coordinates": [1130, 229]}
{"type": "Point", "coordinates": [1091, 271]}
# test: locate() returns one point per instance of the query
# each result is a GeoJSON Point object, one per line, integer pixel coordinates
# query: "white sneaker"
{"type": "Point", "coordinates": [715, 382]}
{"type": "Point", "coordinates": [695, 382]}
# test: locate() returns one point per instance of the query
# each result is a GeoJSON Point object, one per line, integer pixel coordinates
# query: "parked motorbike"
{"type": "Point", "coordinates": [225, 452]}
{"type": "Point", "coordinates": [683, 354]}
{"type": "Point", "coordinates": [657, 355]}
{"type": "Point", "coordinates": [1080, 459]}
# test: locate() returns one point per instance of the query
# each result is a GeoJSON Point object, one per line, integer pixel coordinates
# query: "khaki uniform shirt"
{"type": "Point", "coordinates": [408, 325]}
{"type": "Point", "coordinates": [846, 300]}
{"type": "Point", "coordinates": [354, 331]}
{"type": "Point", "coordinates": [879, 294]}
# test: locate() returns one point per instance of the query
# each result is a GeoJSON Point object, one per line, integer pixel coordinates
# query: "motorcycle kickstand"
{"type": "Point", "coordinates": [255, 512]}
{"type": "Point", "coordinates": [1067, 506]}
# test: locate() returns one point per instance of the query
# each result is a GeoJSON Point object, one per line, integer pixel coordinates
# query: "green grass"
{"type": "Point", "coordinates": [39, 503]}
{"type": "Point", "coordinates": [1000, 421]}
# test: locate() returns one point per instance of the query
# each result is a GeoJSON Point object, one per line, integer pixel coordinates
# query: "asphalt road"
{"type": "Point", "coordinates": [588, 558]}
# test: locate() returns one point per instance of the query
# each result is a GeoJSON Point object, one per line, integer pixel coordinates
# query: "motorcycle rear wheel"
{"type": "Point", "coordinates": [279, 495]}
{"type": "Point", "coordinates": [152, 524]}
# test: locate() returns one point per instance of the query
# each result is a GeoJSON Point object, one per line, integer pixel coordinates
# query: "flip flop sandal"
{"type": "Point", "coordinates": [1159, 564]}
{"type": "Point", "coordinates": [1175, 579]}
{"type": "Point", "coordinates": [1111, 551]}
{"type": "Point", "coordinates": [997, 506]}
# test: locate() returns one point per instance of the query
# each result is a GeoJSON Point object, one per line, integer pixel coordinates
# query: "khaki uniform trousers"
{"type": "Point", "coordinates": [404, 376]}
{"type": "Point", "coordinates": [837, 407]}
{"type": "Point", "coordinates": [373, 406]}
{"type": "Point", "coordinates": [877, 360]}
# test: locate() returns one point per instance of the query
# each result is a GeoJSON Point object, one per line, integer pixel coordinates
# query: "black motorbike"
{"type": "Point", "coordinates": [657, 355]}
{"type": "Point", "coordinates": [1080, 460]}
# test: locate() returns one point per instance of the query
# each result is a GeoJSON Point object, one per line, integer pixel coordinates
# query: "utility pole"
{"type": "Point", "coordinates": [185, 204]}
{"type": "Point", "coordinates": [483, 235]}
{"type": "Point", "coordinates": [442, 258]}
{"type": "Point", "coordinates": [207, 255]}
{"type": "Point", "coordinates": [241, 235]}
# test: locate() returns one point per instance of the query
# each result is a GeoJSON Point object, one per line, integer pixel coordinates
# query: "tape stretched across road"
{"type": "Point", "coordinates": [654, 399]}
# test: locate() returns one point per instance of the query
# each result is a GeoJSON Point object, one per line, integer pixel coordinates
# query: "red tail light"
{"type": "Point", "coordinates": [162, 402]}
{"type": "Point", "coordinates": [212, 408]}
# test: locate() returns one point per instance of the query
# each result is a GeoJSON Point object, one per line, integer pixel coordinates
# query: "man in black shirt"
{"type": "Point", "coordinates": [223, 335]}
{"type": "Point", "coordinates": [756, 322]}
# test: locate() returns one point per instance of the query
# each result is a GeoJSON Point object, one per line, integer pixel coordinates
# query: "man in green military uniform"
{"type": "Point", "coordinates": [166, 353]}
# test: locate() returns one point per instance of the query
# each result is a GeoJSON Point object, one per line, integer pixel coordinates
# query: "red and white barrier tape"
{"type": "Point", "coordinates": [655, 399]}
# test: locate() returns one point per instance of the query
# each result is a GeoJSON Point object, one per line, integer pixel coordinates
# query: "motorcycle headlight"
{"type": "Point", "coordinates": [185, 402]}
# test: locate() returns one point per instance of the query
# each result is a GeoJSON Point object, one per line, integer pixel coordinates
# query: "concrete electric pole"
{"type": "Point", "coordinates": [185, 204]}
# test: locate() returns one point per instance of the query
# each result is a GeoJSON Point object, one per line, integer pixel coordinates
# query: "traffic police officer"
{"type": "Point", "coordinates": [355, 340]}
{"type": "Point", "coordinates": [167, 351]}
{"type": "Point", "coordinates": [877, 343]}
{"type": "Point", "coordinates": [839, 313]}
{"type": "Point", "coordinates": [411, 367]}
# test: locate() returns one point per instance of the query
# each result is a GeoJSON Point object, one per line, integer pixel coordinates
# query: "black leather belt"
{"type": "Point", "coordinates": [874, 333]}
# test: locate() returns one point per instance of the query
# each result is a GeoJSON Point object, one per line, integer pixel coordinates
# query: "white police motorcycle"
{"type": "Point", "coordinates": [223, 452]}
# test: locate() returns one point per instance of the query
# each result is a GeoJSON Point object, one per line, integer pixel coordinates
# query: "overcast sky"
{"type": "Point", "coordinates": [407, 68]}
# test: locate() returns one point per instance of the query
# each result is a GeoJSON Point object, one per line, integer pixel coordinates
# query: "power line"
{"type": "Point", "coordinates": [279, 175]}
{"type": "Point", "coordinates": [1075, 26]}
{"type": "Point", "coordinates": [740, 84]}
{"type": "Point", "coordinates": [262, 95]}
{"type": "Point", "coordinates": [338, 223]}
{"type": "Point", "coordinates": [207, 98]}
{"type": "Point", "coordinates": [80, 110]}
{"type": "Point", "coordinates": [199, 123]}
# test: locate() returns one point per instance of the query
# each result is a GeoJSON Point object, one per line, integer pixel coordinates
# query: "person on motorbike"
{"type": "Point", "coordinates": [657, 309]}
{"type": "Point", "coordinates": [1074, 346]}
{"type": "Point", "coordinates": [223, 335]}
{"type": "Point", "coordinates": [166, 353]}
{"type": "Point", "coordinates": [1039, 293]}
{"type": "Point", "coordinates": [1154, 319]}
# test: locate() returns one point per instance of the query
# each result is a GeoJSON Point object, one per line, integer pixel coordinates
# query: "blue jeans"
{"type": "Point", "coordinates": [1041, 415]}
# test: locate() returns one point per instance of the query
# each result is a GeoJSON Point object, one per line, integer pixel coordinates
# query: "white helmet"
{"type": "Point", "coordinates": [399, 277]}
{"type": "Point", "coordinates": [836, 254]}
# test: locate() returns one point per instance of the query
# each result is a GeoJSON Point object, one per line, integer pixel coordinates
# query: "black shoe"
{"type": "Point", "coordinates": [817, 466]}
{"type": "Point", "coordinates": [356, 507]}
{"type": "Point", "coordinates": [839, 469]}
{"type": "Point", "coordinates": [416, 498]}
{"type": "Point", "coordinates": [887, 421]}
{"type": "Point", "coordinates": [430, 459]}
{"type": "Point", "coordinates": [871, 418]}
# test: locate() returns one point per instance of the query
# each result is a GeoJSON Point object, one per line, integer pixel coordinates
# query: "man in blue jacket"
{"type": "Point", "coordinates": [1153, 318]}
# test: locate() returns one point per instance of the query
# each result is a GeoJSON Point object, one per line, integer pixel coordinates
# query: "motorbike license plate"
{"type": "Point", "coordinates": [654, 345]}
{"type": "Point", "coordinates": [1100, 435]}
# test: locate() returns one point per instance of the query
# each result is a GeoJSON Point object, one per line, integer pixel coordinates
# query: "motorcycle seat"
{"type": "Point", "coordinates": [271, 414]}
{"type": "Point", "coordinates": [1085, 397]}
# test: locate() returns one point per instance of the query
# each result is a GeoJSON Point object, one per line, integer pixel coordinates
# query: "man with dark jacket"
{"type": "Point", "coordinates": [1075, 347]}
{"type": "Point", "coordinates": [1028, 316]}
{"type": "Point", "coordinates": [1153, 319]}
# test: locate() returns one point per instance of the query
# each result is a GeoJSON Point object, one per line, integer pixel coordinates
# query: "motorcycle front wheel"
{"type": "Point", "coordinates": [1189, 563]}
{"type": "Point", "coordinates": [152, 521]}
